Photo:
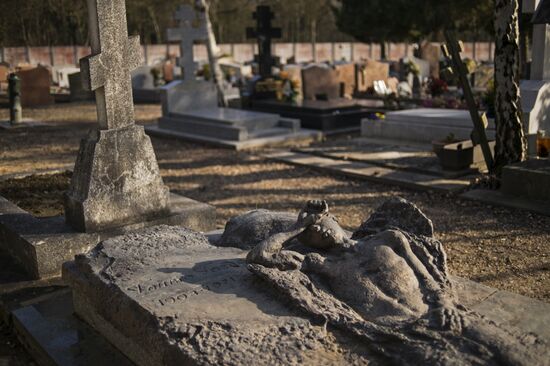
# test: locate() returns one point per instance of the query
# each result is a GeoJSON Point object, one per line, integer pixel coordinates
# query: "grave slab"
{"type": "Point", "coordinates": [192, 303]}
{"type": "Point", "coordinates": [371, 172]}
{"type": "Point", "coordinates": [187, 301]}
{"type": "Point", "coordinates": [423, 125]}
{"type": "Point", "coordinates": [418, 158]}
{"type": "Point", "coordinates": [42, 245]}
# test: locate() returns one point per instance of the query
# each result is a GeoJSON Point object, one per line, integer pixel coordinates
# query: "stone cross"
{"type": "Point", "coordinates": [192, 28]}
{"type": "Point", "coordinates": [264, 32]}
{"type": "Point", "coordinates": [114, 56]}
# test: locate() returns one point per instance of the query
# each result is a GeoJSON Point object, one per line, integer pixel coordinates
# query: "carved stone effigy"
{"type": "Point", "coordinates": [308, 292]}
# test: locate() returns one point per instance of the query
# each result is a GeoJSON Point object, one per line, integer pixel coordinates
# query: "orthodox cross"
{"type": "Point", "coordinates": [452, 51]}
{"type": "Point", "coordinates": [192, 28]}
{"type": "Point", "coordinates": [264, 32]}
{"type": "Point", "coordinates": [107, 70]}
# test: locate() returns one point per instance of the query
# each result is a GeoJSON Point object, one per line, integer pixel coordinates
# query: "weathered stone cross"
{"type": "Point", "coordinates": [114, 56]}
{"type": "Point", "coordinates": [192, 28]}
{"type": "Point", "coordinates": [264, 32]}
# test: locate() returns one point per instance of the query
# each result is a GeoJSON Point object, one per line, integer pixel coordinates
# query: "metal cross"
{"type": "Point", "coordinates": [114, 56]}
{"type": "Point", "coordinates": [452, 51]}
{"type": "Point", "coordinates": [264, 32]}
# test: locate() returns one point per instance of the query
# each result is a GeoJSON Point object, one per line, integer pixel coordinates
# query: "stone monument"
{"type": "Point", "coordinates": [535, 92]}
{"type": "Point", "coordinates": [190, 106]}
{"type": "Point", "coordinates": [116, 179]}
{"type": "Point", "coordinates": [308, 293]}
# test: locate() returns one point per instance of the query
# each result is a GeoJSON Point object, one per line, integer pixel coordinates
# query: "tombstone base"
{"type": "Point", "coordinates": [116, 181]}
{"type": "Point", "coordinates": [41, 245]}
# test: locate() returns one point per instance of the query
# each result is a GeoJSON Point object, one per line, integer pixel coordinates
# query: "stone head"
{"type": "Point", "coordinates": [325, 232]}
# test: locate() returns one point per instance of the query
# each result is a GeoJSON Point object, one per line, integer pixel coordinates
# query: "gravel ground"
{"type": "Point", "coordinates": [499, 247]}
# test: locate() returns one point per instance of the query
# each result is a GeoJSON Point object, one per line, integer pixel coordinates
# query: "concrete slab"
{"type": "Point", "coordinates": [302, 136]}
{"type": "Point", "coordinates": [372, 172]}
{"type": "Point", "coordinates": [42, 245]}
{"type": "Point", "coordinates": [499, 198]}
{"type": "Point", "coordinates": [418, 158]}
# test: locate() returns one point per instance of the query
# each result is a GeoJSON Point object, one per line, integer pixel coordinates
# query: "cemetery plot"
{"type": "Point", "coordinates": [190, 106]}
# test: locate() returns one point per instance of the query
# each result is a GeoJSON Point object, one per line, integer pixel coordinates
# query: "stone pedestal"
{"type": "Point", "coordinates": [116, 181]}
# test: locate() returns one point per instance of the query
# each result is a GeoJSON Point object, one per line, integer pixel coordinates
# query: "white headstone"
{"type": "Point", "coordinates": [535, 93]}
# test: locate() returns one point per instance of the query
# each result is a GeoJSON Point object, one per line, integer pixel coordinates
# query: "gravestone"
{"type": "Point", "coordinates": [320, 82]}
{"type": "Point", "coordinates": [370, 71]}
{"type": "Point", "coordinates": [535, 92]}
{"type": "Point", "coordinates": [295, 74]}
{"type": "Point", "coordinates": [143, 85]}
{"type": "Point", "coordinates": [77, 91]}
{"type": "Point", "coordinates": [190, 106]}
{"type": "Point", "coordinates": [116, 178]}
{"type": "Point", "coordinates": [170, 296]}
{"type": "Point", "coordinates": [264, 33]}
{"type": "Point", "coordinates": [346, 76]}
{"type": "Point", "coordinates": [35, 87]}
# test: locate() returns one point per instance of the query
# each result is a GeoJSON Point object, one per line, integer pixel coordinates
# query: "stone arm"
{"type": "Point", "coordinates": [270, 252]}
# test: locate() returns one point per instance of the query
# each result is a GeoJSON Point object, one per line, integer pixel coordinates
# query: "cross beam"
{"type": "Point", "coordinates": [192, 29]}
{"type": "Point", "coordinates": [108, 70]}
{"type": "Point", "coordinates": [452, 51]}
{"type": "Point", "coordinates": [264, 32]}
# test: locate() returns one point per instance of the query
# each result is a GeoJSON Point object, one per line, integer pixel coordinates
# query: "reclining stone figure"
{"type": "Point", "coordinates": [387, 285]}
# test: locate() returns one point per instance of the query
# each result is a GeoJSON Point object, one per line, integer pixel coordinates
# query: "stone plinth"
{"type": "Point", "coordinates": [41, 245]}
{"type": "Point", "coordinates": [423, 125]}
{"type": "Point", "coordinates": [190, 112]}
{"type": "Point", "coordinates": [168, 297]}
{"type": "Point", "coordinates": [116, 181]}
